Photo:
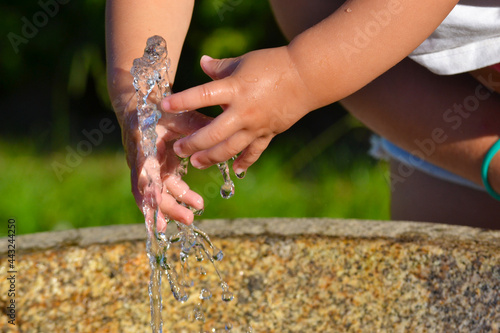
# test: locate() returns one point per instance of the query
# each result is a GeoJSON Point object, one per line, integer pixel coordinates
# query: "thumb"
{"type": "Point", "coordinates": [218, 68]}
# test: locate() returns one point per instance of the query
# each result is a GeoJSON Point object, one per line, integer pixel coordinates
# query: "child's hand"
{"type": "Point", "coordinates": [261, 94]}
{"type": "Point", "coordinates": [176, 192]}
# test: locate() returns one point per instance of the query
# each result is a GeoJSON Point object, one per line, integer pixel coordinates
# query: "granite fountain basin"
{"type": "Point", "coordinates": [287, 275]}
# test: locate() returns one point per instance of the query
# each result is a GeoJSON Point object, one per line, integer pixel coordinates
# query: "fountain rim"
{"type": "Point", "coordinates": [279, 227]}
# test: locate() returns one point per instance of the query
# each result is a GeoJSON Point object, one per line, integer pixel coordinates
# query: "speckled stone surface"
{"type": "Point", "coordinates": [287, 275]}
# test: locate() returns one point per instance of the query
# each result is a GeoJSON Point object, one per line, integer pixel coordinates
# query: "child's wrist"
{"type": "Point", "coordinates": [121, 91]}
{"type": "Point", "coordinates": [308, 96]}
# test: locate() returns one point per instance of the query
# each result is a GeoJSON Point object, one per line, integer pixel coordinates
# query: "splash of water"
{"type": "Point", "coordinates": [150, 72]}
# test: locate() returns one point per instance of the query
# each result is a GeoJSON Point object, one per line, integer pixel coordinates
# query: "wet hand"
{"type": "Point", "coordinates": [176, 196]}
{"type": "Point", "coordinates": [261, 94]}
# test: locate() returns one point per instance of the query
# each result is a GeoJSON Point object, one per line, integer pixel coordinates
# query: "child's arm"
{"type": "Point", "coordinates": [264, 92]}
{"type": "Point", "coordinates": [129, 24]}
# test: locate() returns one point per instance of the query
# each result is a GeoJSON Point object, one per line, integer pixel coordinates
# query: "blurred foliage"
{"type": "Point", "coordinates": [53, 78]}
{"type": "Point", "coordinates": [53, 70]}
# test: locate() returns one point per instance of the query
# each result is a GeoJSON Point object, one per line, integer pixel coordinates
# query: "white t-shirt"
{"type": "Point", "coordinates": [468, 39]}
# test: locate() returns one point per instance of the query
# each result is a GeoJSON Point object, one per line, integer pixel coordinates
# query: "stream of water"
{"type": "Point", "coordinates": [150, 72]}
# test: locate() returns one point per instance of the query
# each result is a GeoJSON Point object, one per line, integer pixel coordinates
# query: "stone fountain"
{"type": "Point", "coordinates": [288, 275]}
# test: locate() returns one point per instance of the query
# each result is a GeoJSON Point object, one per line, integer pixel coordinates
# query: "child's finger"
{"type": "Point", "coordinates": [208, 94]}
{"type": "Point", "coordinates": [222, 151]}
{"type": "Point", "coordinates": [250, 154]}
{"type": "Point", "coordinates": [218, 68]}
{"type": "Point", "coordinates": [174, 211]}
{"type": "Point", "coordinates": [185, 123]}
{"type": "Point", "coordinates": [221, 128]}
{"type": "Point", "coordinates": [181, 192]}
{"type": "Point", "coordinates": [161, 224]}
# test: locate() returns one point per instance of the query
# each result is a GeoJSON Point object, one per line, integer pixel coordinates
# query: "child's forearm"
{"type": "Point", "coordinates": [360, 41]}
{"type": "Point", "coordinates": [128, 25]}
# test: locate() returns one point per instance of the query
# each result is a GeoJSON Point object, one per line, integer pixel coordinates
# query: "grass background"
{"type": "Point", "coordinates": [334, 183]}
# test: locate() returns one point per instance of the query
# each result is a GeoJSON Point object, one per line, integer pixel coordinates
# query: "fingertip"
{"type": "Point", "coordinates": [240, 173]}
{"type": "Point", "coordinates": [178, 149]}
{"type": "Point", "coordinates": [171, 209]}
{"type": "Point", "coordinates": [239, 168]}
{"type": "Point", "coordinates": [194, 201]}
{"type": "Point", "coordinates": [196, 164]}
{"type": "Point", "coordinates": [176, 103]}
{"type": "Point", "coordinates": [200, 203]}
{"type": "Point", "coordinates": [249, 156]}
{"type": "Point", "coordinates": [165, 104]}
{"type": "Point", "coordinates": [205, 58]}
{"type": "Point", "coordinates": [207, 67]}
{"type": "Point", "coordinates": [240, 165]}
{"type": "Point", "coordinates": [188, 219]}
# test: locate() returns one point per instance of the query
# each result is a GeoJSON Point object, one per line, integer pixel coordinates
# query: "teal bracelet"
{"type": "Point", "coordinates": [484, 169]}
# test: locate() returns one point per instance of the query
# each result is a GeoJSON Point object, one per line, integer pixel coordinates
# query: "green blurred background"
{"type": "Point", "coordinates": [53, 88]}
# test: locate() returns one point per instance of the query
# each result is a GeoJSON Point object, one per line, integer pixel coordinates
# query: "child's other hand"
{"type": "Point", "coordinates": [176, 192]}
{"type": "Point", "coordinates": [261, 94]}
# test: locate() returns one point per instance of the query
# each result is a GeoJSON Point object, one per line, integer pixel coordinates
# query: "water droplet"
{"type": "Point", "coordinates": [227, 296]}
{"type": "Point", "coordinates": [249, 329]}
{"type": "Point", "coordinates": [197, 212]}
{"type": "Point", "coordinates": [218, 254]}
{"type": "Point", "coordinates": [205, 294]}
{"type": "Point", "coordinates": [199, 255]}
{"type": "Point", "coordinates": [183, 166]}
{"type": "Point", "coordinates": [187, 283]}
{"type": "Point", "coordinates": [202, 271]}
{"type": "Point", "coordinates": [227, 190]}
{"type": "Point", "coordinates": [250, 79]}
{"type": "Point", "coordinates": [241, 175]}
{"type": "Point", "coordinates": [179, 294]}
{"type": "Point", "coordinates": [229, 327]}
{"type": "Point", "coordinates": [348, 10]}
{"type": "Point", "coordinates": [198, 314]}
{"type": "Point", "coordinates": [175, 239]}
